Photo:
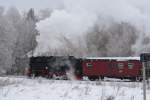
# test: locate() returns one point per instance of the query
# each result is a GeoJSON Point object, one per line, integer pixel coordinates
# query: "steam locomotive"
{"type": "Point", "coordinates": [94, 68]}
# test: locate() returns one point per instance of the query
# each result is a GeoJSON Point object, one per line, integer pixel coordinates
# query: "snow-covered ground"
{"type": "Point", "coordinates": [22, 88]}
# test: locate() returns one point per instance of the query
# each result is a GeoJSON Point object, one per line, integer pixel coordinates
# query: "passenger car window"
{"type": "Point", "coordinates": [130, 65]}
{"type": "Point", "coordinates": [89, 65]}
{"type": "Point", "coordinates": [120, 65]}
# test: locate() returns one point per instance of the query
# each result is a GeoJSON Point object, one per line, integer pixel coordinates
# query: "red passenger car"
{"type": "Point", "coordinates": [129, 68]}
{"type": "Point", "coordinates": [95, 68]}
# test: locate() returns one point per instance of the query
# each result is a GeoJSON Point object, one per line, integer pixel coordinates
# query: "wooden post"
{"type": "Point", "coordinates": [144, 81]}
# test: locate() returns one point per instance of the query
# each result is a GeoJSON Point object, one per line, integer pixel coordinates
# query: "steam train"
{"type": "Point", "coordinates": [93, 68]}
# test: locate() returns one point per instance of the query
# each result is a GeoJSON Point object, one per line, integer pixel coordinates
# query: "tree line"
{"type": "Point", "coordinates": [17, 38]}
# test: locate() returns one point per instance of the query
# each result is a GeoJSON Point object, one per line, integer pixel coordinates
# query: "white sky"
{"type": "Point", "coordinates": [26, 4]}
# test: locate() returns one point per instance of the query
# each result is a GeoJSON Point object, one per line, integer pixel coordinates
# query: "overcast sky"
{"type": "Point", "coordinates": [26, 4]}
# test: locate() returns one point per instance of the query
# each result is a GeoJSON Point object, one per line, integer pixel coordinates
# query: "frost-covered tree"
{"type": "Point", "coordinates": [17, 39]}
{"type": "Point", "coordinates": [1, 10]}
{"type": "Point", "coordinates": [115, 40]}
{"type": "Point", "coordinates": [7, 37]}
{"type": "Point", "coordinates": [26, 40]}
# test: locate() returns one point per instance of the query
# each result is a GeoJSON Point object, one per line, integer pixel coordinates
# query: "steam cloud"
{"type": "Point", "coordinates": [78, 17]}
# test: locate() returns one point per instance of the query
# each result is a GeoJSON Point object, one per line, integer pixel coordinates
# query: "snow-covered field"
{"type": "Point", "coordinates": [22, 88]}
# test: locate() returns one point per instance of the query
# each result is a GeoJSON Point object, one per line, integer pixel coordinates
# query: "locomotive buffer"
{"type": "Point", "coordinates": [145, 58]}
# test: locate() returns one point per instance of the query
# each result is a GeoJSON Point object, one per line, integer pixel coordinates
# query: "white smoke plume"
{"type": "Point", "coordinates": [77, 17]}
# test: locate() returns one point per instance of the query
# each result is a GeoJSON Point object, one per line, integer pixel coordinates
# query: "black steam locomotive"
{"type": "Point", "coordinates": [54, 66]}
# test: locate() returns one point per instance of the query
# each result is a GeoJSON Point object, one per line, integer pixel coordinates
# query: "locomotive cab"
{"type": "Point", "coordinates": [38, 66]}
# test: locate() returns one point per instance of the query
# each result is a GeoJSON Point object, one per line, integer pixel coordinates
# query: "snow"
{"type": "Point", "coordinates": [22, 88]}
{"type": "Point", "coordinates": [114, 58]}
